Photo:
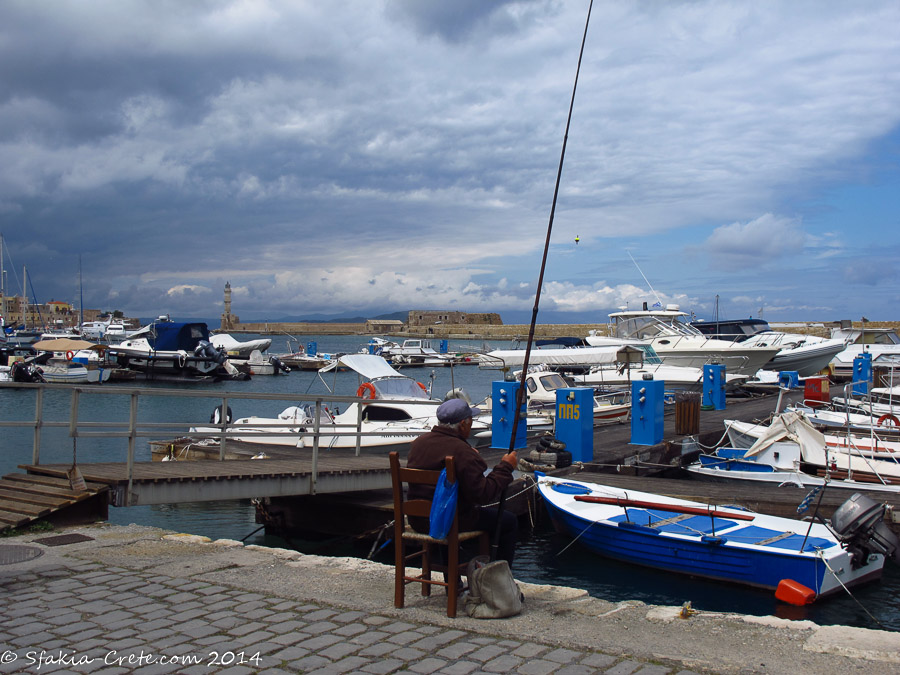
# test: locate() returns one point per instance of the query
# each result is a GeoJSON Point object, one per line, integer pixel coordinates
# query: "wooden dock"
{"type": "Point", "coordinates": [288, 481]}
{"type": "Point", "coordinates": [27, 498]}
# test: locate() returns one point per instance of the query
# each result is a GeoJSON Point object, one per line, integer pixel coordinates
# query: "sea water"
{"type": "Point", "coordinates": [543, 556]}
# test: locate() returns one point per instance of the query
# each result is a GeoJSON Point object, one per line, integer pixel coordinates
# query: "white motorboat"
{"type": "Point", "coordinates": [882, 344]}
{"type": "Point", "coordinates": [70, 361]}
{"type": "Point", "coordinates": [862, 459]}
{"type": "Point", "coordinates": [412, 352]}
{"type": "Point", "coordinates": [234, 347]}
{"type": "Point", "coordinates": [167, 350]}
{"type": "Point", "coordinates": [622, 372]}
{"type": "Point", "coordinates": [393, 410]}
{"type": "Point", "coordinates": [805, 354]}
{"type": "Point", "coordinates": [258, 364]}
{"type": "Point", "coordinates": [542, 384]}
{"type": "Point", "coordinates": [679, 343]}
{"type": "Point", "coordinates": [883, 403]}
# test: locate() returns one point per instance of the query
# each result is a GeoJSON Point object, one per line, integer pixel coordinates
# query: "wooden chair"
{"type": "Point", "coordinates": [427, 545]}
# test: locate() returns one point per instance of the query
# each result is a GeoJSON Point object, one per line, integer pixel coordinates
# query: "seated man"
{"type": "Point", "coordinates": [448, 438]}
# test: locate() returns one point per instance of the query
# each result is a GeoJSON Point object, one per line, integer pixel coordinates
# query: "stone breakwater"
{"type": "Point", "coordinates": [136, 599]}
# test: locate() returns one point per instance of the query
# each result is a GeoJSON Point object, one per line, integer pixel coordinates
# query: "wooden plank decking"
{"type": "Point", "coordinates": [26, 498]}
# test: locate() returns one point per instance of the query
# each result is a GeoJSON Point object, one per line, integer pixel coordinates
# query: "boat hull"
{"type": "Point", "coordinates": [724, 546]}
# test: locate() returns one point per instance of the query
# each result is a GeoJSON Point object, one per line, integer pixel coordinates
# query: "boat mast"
{"type": "Point", "coordinates": [25, 297]}
{"type": "Point", "coordinates": [2, 287]}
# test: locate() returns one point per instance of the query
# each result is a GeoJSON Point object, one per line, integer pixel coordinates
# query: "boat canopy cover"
{"type": "Point", "coordinates": [368, 365]}
{"type": "Point", "coordinates": [793, 426]}
{"type": "Point", "coordinates": [173, 335]}
{"type": "Point", "coordinates": [579, 356]}
{"type": "Point", "coordinates": [64, 345]}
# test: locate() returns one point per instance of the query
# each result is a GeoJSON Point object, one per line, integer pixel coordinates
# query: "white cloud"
{"type": "Point", "coordinates": [758, 242]}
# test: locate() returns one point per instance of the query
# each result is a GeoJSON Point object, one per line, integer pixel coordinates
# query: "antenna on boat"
{"type": "Point", "coordinates": [537, 295]}
{"type": "Point", "coordinates": [645, 277]}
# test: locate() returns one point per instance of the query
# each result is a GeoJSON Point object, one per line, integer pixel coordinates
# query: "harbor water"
{"type": "Point", "coordinates": [543, 556]}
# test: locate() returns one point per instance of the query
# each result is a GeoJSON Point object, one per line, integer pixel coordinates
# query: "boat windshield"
{"type": "Point", "coordinates": [648, 327]}
{"type": "Point", "coordinates": [399, 387]}
{"type": "Point", "coordinates": [650, 355]}
{"type": "Point", "coordinates": [553, 381]}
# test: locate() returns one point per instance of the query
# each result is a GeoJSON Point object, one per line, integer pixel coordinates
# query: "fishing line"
{"type": "Point", "coordinates": [537, 295]}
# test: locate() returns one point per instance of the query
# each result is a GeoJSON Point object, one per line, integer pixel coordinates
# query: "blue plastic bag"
{"type": "Point", "coordinates": [443, 507]}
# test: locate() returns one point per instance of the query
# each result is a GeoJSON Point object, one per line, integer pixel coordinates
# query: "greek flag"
{"type": "Point", "coordinates": [657, 304]}
{"type": "Point", "coordinates": [807, 500]}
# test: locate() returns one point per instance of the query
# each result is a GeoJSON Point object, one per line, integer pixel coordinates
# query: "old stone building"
{"type": "Point", "coordinates": [421, 317]}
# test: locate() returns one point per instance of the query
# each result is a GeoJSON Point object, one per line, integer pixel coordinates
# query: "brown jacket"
{"type": "Point", "coordinates": [475, 489]}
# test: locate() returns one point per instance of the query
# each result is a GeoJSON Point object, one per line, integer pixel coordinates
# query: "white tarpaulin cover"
{"type": "Point", "coordinates": [367, 365]}
{"type": "Point", "coordinates": [577, 356]}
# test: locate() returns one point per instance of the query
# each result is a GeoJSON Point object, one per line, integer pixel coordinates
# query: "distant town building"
{"type": "Point", "coordinates": [419, 317]}
{"type": "Point", "coordinates": [383, 326]}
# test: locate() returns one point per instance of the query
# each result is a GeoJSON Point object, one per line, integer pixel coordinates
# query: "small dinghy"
{"type": "Point", "coordinates": [801, 560]}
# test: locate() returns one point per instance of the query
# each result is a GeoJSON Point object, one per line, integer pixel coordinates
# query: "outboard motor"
{"type": "Point", "coordinates": [859, 522]}
{"type": "Point", "coordinates": [208, 351]}
{"type": "Point", "coordinates": [275, 361]}
{"type": "Point", "coordinates": [26, 372]}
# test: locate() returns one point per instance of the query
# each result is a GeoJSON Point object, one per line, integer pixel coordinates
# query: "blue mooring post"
{"type": "Point", "coordinates": [312, 348]}
{"type": "Point", "coordinates": [371, 346]}
{"type": "Point", "coordinates": [647, 411]}
{"type": "Point", "coordinates": [714, 386]}
{"type": "Point", "coordinates": [575, 421]}
{"type": "Point", "coordinates": [862, 374]}
{"type": "Point", "coordinates": [503, 405]}
{"type": "Point", "coordinates": [444, 346]}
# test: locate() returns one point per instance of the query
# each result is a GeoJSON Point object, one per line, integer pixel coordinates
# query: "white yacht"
{"type": "Point", "coordinates": [678, 343]}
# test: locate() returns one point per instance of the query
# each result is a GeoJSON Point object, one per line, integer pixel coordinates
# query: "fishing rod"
{"type": "Point", "coordinates": [537, 296]}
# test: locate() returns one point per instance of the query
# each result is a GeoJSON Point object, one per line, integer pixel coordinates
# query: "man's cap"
{"type": "Point", "coordinates": [455, 410]}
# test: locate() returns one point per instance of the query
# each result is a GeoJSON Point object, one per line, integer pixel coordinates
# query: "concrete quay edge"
{"type": "Point", "coordinates": [132, 588]}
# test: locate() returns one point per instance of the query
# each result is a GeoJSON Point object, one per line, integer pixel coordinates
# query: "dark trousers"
{"type": "Point", "coordinates": [509, 531]}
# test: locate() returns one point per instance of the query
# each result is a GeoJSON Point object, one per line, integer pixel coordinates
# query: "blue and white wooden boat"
{"type": "Point", "coordinates": [722, 543]}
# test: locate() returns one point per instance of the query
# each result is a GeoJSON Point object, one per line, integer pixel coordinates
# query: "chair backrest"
{"type": "Point", "coordinates": [400, 475]}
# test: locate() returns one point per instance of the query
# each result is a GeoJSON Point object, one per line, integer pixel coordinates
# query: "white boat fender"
{"type": "Point", "coordinates": [216, 417]}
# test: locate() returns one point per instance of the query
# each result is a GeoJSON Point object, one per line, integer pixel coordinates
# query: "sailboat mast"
{"type": "Point", "coordinates": [25, 296]}
{"type": "Point", "coordinates": [2, 286]}
{"type": "Point", "coordinates": [80, 297]}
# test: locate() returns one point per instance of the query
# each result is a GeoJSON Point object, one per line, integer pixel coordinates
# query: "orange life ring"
{"type": "Point", "coordinates": [366, 390]}
{"type": "Point", "coordinates": [423, 387]}
{"type": "Point", "coordinates": [70, 355]}
{"type": "Point", "coordinates": [888, 418]}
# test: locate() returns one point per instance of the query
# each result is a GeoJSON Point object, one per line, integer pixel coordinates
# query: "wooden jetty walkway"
{"type": "Point", "coordinates": [26, 498]}
{"type": "Point", "coordinates": [335, 476]}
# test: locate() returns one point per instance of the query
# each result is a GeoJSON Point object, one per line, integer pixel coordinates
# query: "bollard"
{"type": "Point", "coordinates": [575, 421]}
{"type": "Point", "coordinates": [647, 411]}
{"type": "Point", "coordinates": [312, 348]}
{"type": "Point", "coordinates": [714, 386]}
{"type": "Point", "coordinates": [503, 405]}
{"type": "Point", "coordinates": [444, 346]}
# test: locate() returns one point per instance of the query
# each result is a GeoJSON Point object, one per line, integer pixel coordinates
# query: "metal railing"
{"type": "Point", "coordinates": [225, 429]}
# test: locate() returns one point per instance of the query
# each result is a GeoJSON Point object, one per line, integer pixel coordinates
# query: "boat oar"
{"type": "Point", "coordinates": [537, 295]}
{"type": "Point", "coordinates": [675, 508]}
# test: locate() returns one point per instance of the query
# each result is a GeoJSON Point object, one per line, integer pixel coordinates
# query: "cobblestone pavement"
{"type": "Point", "coordinates": [86, 617]}
{"type": "Point", "coordinates": [121, 599]}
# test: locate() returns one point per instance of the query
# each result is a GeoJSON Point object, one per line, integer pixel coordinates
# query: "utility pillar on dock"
{"type": "Point", "coordinates": [647, 412]}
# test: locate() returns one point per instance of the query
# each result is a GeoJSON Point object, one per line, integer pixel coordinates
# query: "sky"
{"type": "Point", "coordinates": [362, 157]}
